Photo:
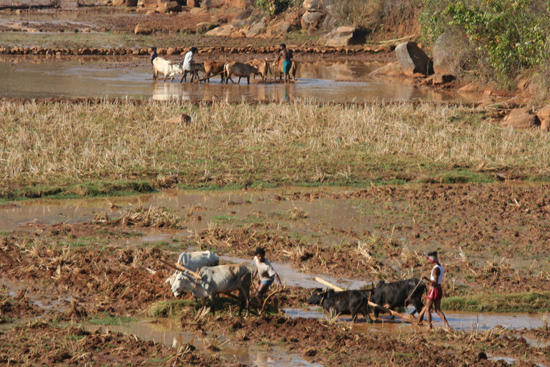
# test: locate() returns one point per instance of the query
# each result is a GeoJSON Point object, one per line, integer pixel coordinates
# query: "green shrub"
{"type": "Point", "coordinates": [505, 37]}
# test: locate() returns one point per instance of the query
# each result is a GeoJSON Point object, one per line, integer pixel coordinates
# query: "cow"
{"type": "Point", "coordinates": [398, 294]}
{"type": "Point", "coordinates": [239, 69]}
{"type": "Point", "coordinates": [344, 302]}
{"type": "Point", "coordinates": [182, 281]}
{"type": "Point", "coordinates": [262, 66]}
{"type": "Point", "coordinates": [223, 279]}
{"type": "Point", "coordinates": [166, 67]}
{"type": "Point", "coordinates": [277, 70]}
{"type": "Point", "coordinates": [213, 67]}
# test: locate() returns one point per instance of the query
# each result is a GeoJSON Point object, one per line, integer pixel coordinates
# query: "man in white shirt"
{"type": "Point", "coordinates": [265, 272]}
{"type": "Point", "coordinates": [188, 66]}
{"type": "Point", "coordinates": [435, 293]}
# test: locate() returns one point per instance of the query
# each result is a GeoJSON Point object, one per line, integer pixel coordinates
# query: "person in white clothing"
{"type": "Point", "coordinates": [265, 272]}
{"type": "Point", "coordinates": [188, 66]}
{"type": "Point", "coordinates": [435, 293]}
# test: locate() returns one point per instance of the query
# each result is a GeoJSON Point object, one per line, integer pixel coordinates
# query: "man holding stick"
{"type": "Point", "coordinates": [435, 293]}
{"type": "Point", "coordinates": [265, 272]}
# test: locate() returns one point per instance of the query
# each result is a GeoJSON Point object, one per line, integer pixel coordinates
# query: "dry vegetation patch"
{"type": "Point", "coordinates": [62, 143]}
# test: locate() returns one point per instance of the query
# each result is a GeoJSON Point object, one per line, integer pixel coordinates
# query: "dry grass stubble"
{"type": "Point", "coordinates": [60, 143]}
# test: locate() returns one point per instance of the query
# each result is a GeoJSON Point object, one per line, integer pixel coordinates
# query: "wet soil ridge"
{"type": "Point", "coordinates": [48, 344]}
{"type": "Point", "coordinates": [175, 51]}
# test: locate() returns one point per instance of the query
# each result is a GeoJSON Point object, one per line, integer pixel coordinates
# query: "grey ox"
{"type": "Point", "coordinates": [182, 281]}
{"type": "Point", "coordinates": [224, 279]}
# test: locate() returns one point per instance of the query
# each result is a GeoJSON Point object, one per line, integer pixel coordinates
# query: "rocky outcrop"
{"type": "Point", "coordinates": [142, 29]}
{"type": "Point", "coordinates": [193, 3]}
{"type": "Point", "coordinates": [521, 118]}
{"type": "Point", "coordinates": [129, 3]}
{"type": "Point", "coordinates": [445, 60]}
{"type": "Point", "coordinates": [257, 29]}
{"type": "Point", "coordinates": [169, 6]}
{"type": "Point", "coordinates": [391, 69]}
{"type": "Point", "coordinates": [544, 117]}
{"type": "Point", "coordinates": [315, 13]}
{"type": "Point", "coordinates": [224, 31]}
{"type": "Point", "coordinates": [413, 59]}
{"type": "Point", "coordinates": [343, 36]}
{"type": "Point", "coordinates": [204, 27]}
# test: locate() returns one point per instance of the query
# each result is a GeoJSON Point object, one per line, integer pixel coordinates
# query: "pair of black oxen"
{"type": "Point", "coordinates": [389, 295]}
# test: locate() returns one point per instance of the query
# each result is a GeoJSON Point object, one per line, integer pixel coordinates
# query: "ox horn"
{"type": "Point", "coordinates": [180, 267]}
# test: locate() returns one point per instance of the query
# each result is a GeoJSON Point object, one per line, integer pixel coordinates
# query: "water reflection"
{"type": "Point", "coordinates": [119, 77]}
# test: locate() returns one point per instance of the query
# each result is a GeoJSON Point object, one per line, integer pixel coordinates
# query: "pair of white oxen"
{"type": "Point", "coordinates": [211, 279]}
{"type": "Point", "coordinates": [227, 69]}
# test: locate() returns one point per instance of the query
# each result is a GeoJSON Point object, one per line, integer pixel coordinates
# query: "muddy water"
{"type": "Point", "coordinates": [171, 334]}
{"type": "Point", "coordinates": [119, 77]}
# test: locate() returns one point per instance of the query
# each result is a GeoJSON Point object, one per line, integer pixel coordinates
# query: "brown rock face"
{"type": "Point", "coordinates": [193, 3]}
{"type": "Point", "coordinates": [520, 118]}
{"type": "Point", "coordinates": [413, 59]}
{"type": "Point", "coordinates": [544, 117]}
{"type": "Point", "coordinates": [142, 29]}
{"type": "Point", "coordinates": [129, 3]}
{"type": "Point", "coordinates": [344, 36]}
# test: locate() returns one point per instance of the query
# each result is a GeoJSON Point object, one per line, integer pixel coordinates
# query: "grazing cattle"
{"type": "Point", "coordinates": [393, 295]}
{"type": "Point", "coordinates": [239, 69]}
{"type": "Point", "coordinates": [213, 67]}
{"type": "Point", "coordinates": [224, 279]}
{"type": "Point", "coordinates": [182, 281]}
{"type": "Point", "coordinates": [262, 66]}
{"type": "Point", "coordinates": [197, 66]}
{"type": "Point", "coordinates": [166, 67]}
{"type": "Point", "coordinates": [344, 302]}
{"type": "Point", "coordinates": [277, 70]}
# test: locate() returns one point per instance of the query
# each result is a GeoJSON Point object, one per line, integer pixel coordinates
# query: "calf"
{"type": "Point", "coordinates": [213, 67]}
{"type": "Point", "coordinates": [183, 281]}
{"type": "Point", "coordinates": [224, 279]}
{"type": "Point", "coordinates": [166, 67]}
{"type": "Point", "coordinates": [262, 66]}
{"type": "Point", "coordinates": [239, 69]}
{"type": "Point", "coordinates": [396, 294]}
{"type": "Point", "coordinates": [277, 68]}
{"type": "Point", "coordinates": [344, 302]}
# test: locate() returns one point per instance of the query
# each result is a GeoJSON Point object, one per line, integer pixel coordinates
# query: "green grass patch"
{"type": "Point", "coordinates": [169, 308]}
{"type": "Point", "coordinates": [514, 302]}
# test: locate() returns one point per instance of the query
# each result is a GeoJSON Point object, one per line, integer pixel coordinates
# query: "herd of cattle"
{"type": "Point", "coordinates": [212, 279]}
{"type": "Point", "coordinates": [212, 68]}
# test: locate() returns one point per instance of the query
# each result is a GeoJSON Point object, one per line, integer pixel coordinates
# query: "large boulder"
{"type": "Point", "coordinates": [312, 20]}
{"type": "Point", "coordinates": [413, 59]}
{"type": "Point", "coordinates": [169, 6]}
{"type": "Point", "coordinates": [278, 28]}
{"type": "Point", "coordinates": [142, 29]}
{"type": "Point", "coordinates": [344, 36]}
{"type": "Point", "coordinates": [256, 29]}
{"type": "Point", "coordinates": [445, 59]}
{"type": "Point", "coordinates": [224, 31]}
{"type": "Point", "coordinates": [314, 5]}
{"type": "Point", "coordinates": [204, 27]}
{"type": "Point", "coordinates": [544, 118]}
{"type": "Point", "coordinates": [147, 4]}
{"type": "Point", "coordinates": [521, 118]}
{"type": "Point", "coordinates": [131, 3]}
{"type": "Point", "coordinates": [243, 15]}
{"type": "Point", "coordinates": [207, 4]}
{"type": "Point", "coordinates": [193, 3]}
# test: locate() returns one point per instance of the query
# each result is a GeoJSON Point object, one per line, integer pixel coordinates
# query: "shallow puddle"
{"type": "Point", "coordinates": [42, 76]}
{"type": "Point", "coordinates": [171, 334]}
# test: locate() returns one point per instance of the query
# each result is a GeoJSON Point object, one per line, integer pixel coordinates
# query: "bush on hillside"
{"type": "Point", "coordinates": [503, 38]}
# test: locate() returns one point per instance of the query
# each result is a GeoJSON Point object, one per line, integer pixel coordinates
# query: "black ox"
{"type": "Point", "coordinates": [344, 302]}
{"type": "Point", "coordinates": [398, 294]}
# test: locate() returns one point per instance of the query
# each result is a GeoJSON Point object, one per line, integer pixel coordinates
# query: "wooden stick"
{"type": "Point", "coordinates": [409, 297]}
{"type": "Point", "coordinates": [180, 268]}
{"type": "Point", "coordinates": [407, 318]}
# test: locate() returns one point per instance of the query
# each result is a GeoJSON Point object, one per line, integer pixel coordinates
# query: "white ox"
{"type": "Point", "coordinates": [166, 67]}
{"type": "Point", "coordinates": [224, 279]}
{"type": "Point", "coordinates": [182, 281]}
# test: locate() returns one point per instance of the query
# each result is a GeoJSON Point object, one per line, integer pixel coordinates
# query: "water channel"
{"type": "Point", "coordinates": [93, 76]}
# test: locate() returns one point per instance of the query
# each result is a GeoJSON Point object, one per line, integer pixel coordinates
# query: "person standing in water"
{"type": "Point", "coordinates": [286, 55]}
{"type": "Point", "coordinates": [265, 272]}
{"type": "Point", "coordinates": [435, 294]}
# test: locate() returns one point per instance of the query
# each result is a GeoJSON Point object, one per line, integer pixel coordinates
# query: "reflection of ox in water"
{"type": "Point", "coordinates": [239, 69]}
{"type": "Point", "coordinates": [223, 279]}
{"type": "Point", "coordinates": [344, 302]}
{"type": "Point", "coordinates": [277, 70]}
{"type": "Point", "coordinates": [166, 67]}
{"type": "Point", "coordinates": [396, 294]}
{"type": "Point", "coordinates": [183, 281]}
